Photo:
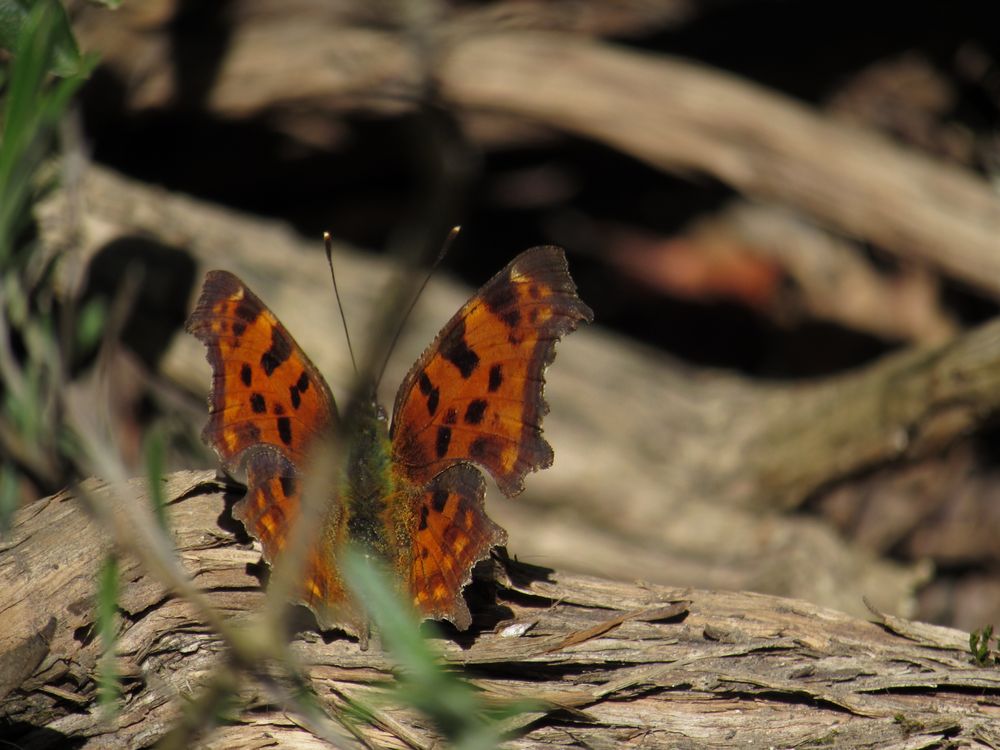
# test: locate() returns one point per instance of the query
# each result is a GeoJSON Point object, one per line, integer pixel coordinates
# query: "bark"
{"type": "Point", "coordinates": [609, 662]}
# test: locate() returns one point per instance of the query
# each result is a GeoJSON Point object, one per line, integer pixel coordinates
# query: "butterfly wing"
{"type": "Point", "coordinates": [267, 406]}
{"type": "Point", "coordinates": [451, 533]}
{"type": "Point", "coordinates": [268, 510]}
{"type": "Point", "coordinates": [476, 393]}
{"type": "Point", "coordinates": [265, 391]}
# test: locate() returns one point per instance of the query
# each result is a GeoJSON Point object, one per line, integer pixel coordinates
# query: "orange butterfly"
{"type": "Point", "coordinates": [410, 496]}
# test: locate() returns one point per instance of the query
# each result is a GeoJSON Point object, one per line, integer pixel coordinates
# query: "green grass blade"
{"type": "Point", "coordinates": [9, 496]}
{"type": "Point", "coordinates": [107, 629]}
{"type": "Point", "coordinates": [449, 702]}
{"type": "Point", "coordinates": [154, 450]}
{"type": "Point", "coordinates": [15, 14]}
{"type": "Point", "coordinates": [90, 325]}
{"type": "Point", "coordinates": [31, 109]}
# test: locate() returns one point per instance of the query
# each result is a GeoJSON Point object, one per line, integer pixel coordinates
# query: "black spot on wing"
{"type": "Point", "coordinates": [496, 377]}
{"type": "Point", "coordinates": [423, 518]}
{"type": "Point", "coordinates": [257, 403]}
{"type": "Point", "coordinates": [247, 311]}
{"type": "Point", "coordinates": [288, 486]}
{"type": "Point", "coordinates": [438, 500]}
{"type": "Point", "coordinates": [431, 392]}
{"type": "Point", "coordinates": [285, 430]}
{"type": "Point", "coordinates": [501, 299]}
{"type": "Point", "coordinates": [502, 302]}
{"type": "Point", "coordinates": [246, 375]}
{"type": "Point", "coordinates": [268, 362]}
{"type": "Point", "coordinates": [239, 328]}
{"type": "Point", "coordinates": [451, 416]}
{"type": "Point", "coordinates": [475, 410]}
{"type": "Point", "coordinates": [455, 349]}
{"type": "Point", "coordinates": [485, 450]}
{"type": "Point", "coordinates": [443, 441]}
{"type": "Point", "coordinates": [279, 352]}
{"type": "Point", "coordinates": [296, 390]}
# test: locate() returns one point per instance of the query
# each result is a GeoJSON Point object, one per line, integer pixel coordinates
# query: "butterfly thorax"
{"type": "Point", "coordinates": [368, 485]}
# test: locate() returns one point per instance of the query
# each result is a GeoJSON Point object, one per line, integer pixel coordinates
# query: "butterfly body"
{"type": "Point", "coordinates": [369, 485]}
{"type": "Point", "coordinates": [410, 495]}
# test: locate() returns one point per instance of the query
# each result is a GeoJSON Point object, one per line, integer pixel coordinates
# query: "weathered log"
{"type": "Point", "coordinates": [609, 662]}
{"type": "Point", "coordinates": [699, 449]}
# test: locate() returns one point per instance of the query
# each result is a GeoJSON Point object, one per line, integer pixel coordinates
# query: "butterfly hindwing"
{"type": "Point", "coordinates": [451, 533]}
{"type": "Point", "coordinates": [271, 504]}
{"type": "Point", "coordinates": [476, 393]}
{"type": "Point", "coordinates": [269, 510]}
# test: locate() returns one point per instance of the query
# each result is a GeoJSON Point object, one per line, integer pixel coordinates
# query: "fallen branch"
{"type": "Point", "coordinates": [683, 117]}
{"type": "Point", "coordinates": [833, 280]}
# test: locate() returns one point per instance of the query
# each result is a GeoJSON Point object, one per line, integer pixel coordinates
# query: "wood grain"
{"type": "Point", "coordinates": [610, 662]}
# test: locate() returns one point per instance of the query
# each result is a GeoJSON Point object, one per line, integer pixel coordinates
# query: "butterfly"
{"type": "Point", "coordinates": [412, 496]}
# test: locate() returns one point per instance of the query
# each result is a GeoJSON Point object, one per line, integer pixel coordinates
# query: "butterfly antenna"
{"type": "Point", "coordinates": [328, 242]}
{"type": "Point", "coordinates": [445, 247]}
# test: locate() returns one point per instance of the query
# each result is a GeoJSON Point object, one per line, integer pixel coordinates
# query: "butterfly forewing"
{"type": "Point", "coordinates": [476, 392]}
{"type": "Point", "coordinates": [265, 391]}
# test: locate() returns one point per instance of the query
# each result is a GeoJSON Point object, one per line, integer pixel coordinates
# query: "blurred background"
{"type": "Point", "coordinates": [783, 214]}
